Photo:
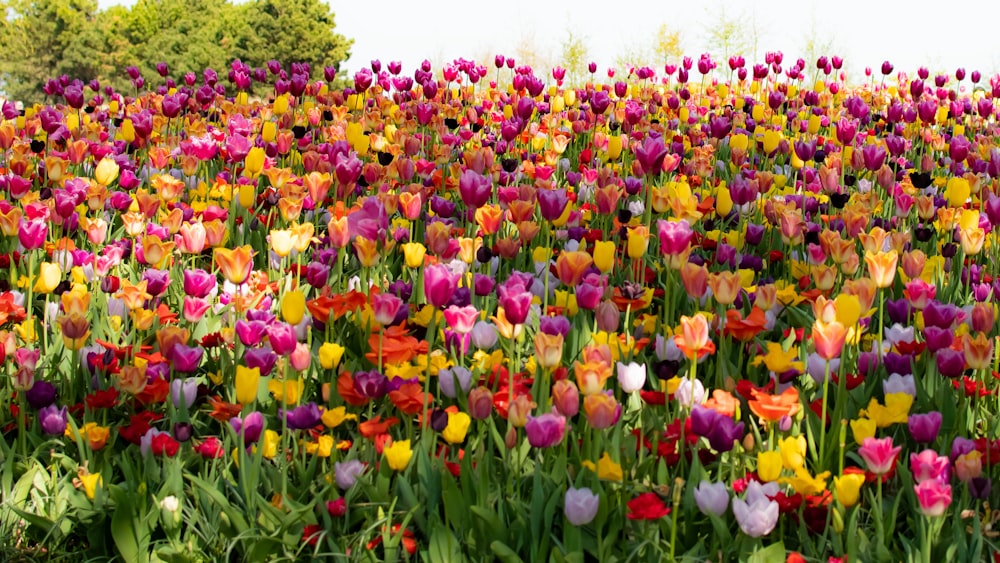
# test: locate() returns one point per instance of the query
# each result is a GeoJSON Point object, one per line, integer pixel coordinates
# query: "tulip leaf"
{"type": "Point", "coordinates": [504, 553]}
{"type": "Point", "coordinates": [444, 546]}
{"type": "Point", "coordinates": [235, 517]}
{"type": "Point", "coordinates": [774, 553]}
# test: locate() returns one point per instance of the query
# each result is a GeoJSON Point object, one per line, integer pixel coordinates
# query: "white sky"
{"type": "Point", "coordinates": [864, 32]}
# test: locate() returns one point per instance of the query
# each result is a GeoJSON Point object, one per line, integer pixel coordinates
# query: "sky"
{"type": "Point", "coordinates": [863, 32]}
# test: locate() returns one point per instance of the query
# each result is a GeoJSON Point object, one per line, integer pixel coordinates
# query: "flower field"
{"type": "Point", "coordinates": [698, 313]}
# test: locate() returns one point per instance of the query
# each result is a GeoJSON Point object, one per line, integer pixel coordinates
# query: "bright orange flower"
{"type": "Point", "coordinates": [367, 251]}
{"type": "Point", "coordinates": [235, 263]}
{"type": "Point", "coordinates": [722, 402]}
{"type": "Point", "coordinates": [772, 407]}
{"type": "Point", "coordinates": [155, 251]}
{"type": "Point", "coordinates": [410, 398]}
{"type": "Point", "coordinates": [570, 267]}
{"type": "Point", "coordinates": [978, 351]}
{"type": "Point", "coordinates": [375, 426]}
{"type": "Point", "coordinates": [725, 286]}
{"type": "Point", "coordinates": [318, 186]}
{"type": "Point", "coordinates": [744, 329]}
{"type": "Point", "coordinates": [133, 295]}
{"type": "Point", "coordinates": [489, 217]}
{"type": "Point", "coordinates": [882, 267]}
{"type": "Point", "coordinates": [223, 411]}
{"type": "Point", "coordinates": [828, 338]}
{"type": "Point", "coordinates": [398, 346]}
{"type": "Point", "coordinates": [694, 340]}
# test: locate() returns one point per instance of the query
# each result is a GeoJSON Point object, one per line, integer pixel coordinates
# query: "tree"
{"type": "Point", "coordinates": [667, 44]}
{"type": "Point", "coordinates": [727, 35]}
{"type": "Point", "coordinates": [574, 57]}
{"type": "Point", "coordinates": [36, 38]}
{"type": "Point", "coordinates": [293, 31]}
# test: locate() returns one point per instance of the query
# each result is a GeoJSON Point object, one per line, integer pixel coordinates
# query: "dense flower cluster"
{"type": "Point", "coordinates": [435, 314]}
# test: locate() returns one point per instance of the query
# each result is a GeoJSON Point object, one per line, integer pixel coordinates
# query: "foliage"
{"type": "Point", "coordinates": [43, 39]}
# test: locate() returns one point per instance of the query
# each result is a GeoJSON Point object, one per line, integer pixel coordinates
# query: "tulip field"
{"type": "Point", "coordinates": [701, 312]}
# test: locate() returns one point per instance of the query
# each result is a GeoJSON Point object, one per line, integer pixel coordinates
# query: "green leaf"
{"type": "Point", "coordinates": [774, 553]}
{"type": "Point", "coordinates": [123, 527]}
{"type": "Point", "coordinates": [444, 545]}
{"type": "Point", "coordinates": [235, 516]}
{"type": "Point", "coordinates": [504, 553]}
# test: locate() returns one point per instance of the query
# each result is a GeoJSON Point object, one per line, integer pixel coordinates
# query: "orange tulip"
{"type": "Point", "coordinates": [773, 407]}
{"type": "Point", "coordinates": [744, 329]}
{"type": "Point", "coordinates": [367, 251]}
{"type": "Point", "coordinates": [571, 266]}
{"type": "Point", "coordinates": [978, 351]}
{"type": "Point", "coordinates": [489, 217]}
{"type": "Point", "coordinates": [829, 339]}
{"type": "Point", "coordinates": [725, 286]}
{"type": "Point", "coordinates": [134, 296]}
{"type": "Point", "coordinates": [882, 267]}
{"type": "Point", "coordinates": [693, 340]}
{"type": "Point", "coordinates": [235, 263]}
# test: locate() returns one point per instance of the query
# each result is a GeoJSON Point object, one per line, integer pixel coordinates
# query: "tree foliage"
{"type": "Point", "coordinates": [42, 39]}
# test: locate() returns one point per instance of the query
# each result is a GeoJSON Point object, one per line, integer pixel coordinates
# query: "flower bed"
{"type": "Point", "coordinates": [666, 316]}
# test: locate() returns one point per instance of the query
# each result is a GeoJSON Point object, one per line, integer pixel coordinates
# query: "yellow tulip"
{"type": "Point", "coordinates": [863, 428]}
{"type": "Point", "coordinates": [768, 466]}
{"type": "Point", "coordinates": [848, 488]}
{"type": "Point", "coordinates": [287, 391]}
{"type": "Point", "coordinates": [293, 306]}
{"type": "Point", "coordinates": [793, 452]}
{"type": "Point", "coordinates": [271, 441]}
{"type": "Point", "coordinates": [398, 455]}
{"type": "Point", "coordinates": [268, 131]}
{"type": "Point", "coordinates": [90, 482]}
{"type": "Point", "coordinates": [413, 253]}
{"type": "Point", "coordinates": [254, 163]}
{"type": "Point", "coordinates": [330, 355]}
{"type": "Point", "coordinates": [106, 171]}
{"type": "Point", "coordinates": [458, 426]}
{"type": "Point", "coordinates": [604, 255]}
{"type": "Point", "coordinates": [247, 384]}
{"type": "Point", "coordinates": [334, 417]}
{"type": "Point", "coordinates": [49, 276]}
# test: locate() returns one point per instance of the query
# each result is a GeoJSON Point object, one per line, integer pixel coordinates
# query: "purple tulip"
{"type": "Point", "coordinates": [184, 391]}
{"type": "Point", "coordinates": [650, 155]}
{"type": "Point", "coordinates": [712, 498]}
{"type": "Point", "coordinates": [41, 394]}
{"type": "Point", "coordinates": [282, 337]}
{"type": "Point", "coordinates": [581, 505]}
{"type": "Point", "coordinates": [371, 384]}
{"type": "Point", "coordinates": [346, 473]}
{"type": "Point", "coordinates": [552, 203]}
{"type": "Point", "coordinates": [261, 358]}
{"type": "Point", "coordinates": [185, 359]}
{"type": "Point", "coordinates": [53, 420]}
{"type": "Point", "coordinates": [950, 363]}
{"type": "Point", "coordinates": [924, 427]}
{"type": "Point", "coordinates": [546, 430]}
{"type": "Point", "coordinates": [303, 417]}
{"type": "Point", "coordinates": [475, 189]}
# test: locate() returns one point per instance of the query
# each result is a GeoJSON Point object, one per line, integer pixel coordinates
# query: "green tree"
{"type": "Point", "coordinates": [293, 31]}
{"type": "Point", "coordinates": [39, 39]}
{"type": "Point", "coordinates": [574, 57]}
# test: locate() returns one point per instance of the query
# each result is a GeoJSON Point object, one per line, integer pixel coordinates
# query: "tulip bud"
{"type": "Point", "coordinates": [608, 316]}
{"type": "Point", "coordinates": [480, 403]}
{"type": "Point", "coordinates": [511, 439]}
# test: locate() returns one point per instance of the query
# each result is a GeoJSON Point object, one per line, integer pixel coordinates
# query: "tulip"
{"type": "Point", "coordinates": [581, 505]}
{"type": "Point", "coordinates": [712, 498]}
{"type": "Point", "coordinates": [756, 514]}
{"type": "Point", "coordinates": [928, 465]}
{"type": "Point", "coordinates": [345, 474]}
{"type": "Point", "coordinates": [924, 427]}
{"type": "Point", "coordinates": [184, 392]}
{"type": "Point", "coordinates": [53, 420]}
{"type": "Point", "coordinates": [236, 263]}
{"type": "Point", "coordinates": [398, 455]}
{"type": "Point", "coordinates": [546, 430]}
{"type": "Point", "coordinates": [247, 383]}
{"type": "Point", "coordinates": [848, 488]}
{"type": "Point", "coordinates": [480, 403]}
{"type": "Point", "coordinates": [879, 455]}
{"type": "Point", "coordinates": [933, 496]}
{"type": "Point", "coordinates": [439, 285]}
{"type": "Point", "coordinates": [449, 378]}
{"type": "Point", "coordinates": [631, 377]}
{"type": "Point", "coordinates": [566, 398]}
{"type": "Point", "coordinates": [602, 410]}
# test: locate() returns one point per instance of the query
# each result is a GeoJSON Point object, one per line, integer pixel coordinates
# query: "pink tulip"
{"type": "Point", "coordinates": [461, 319]}
{"type": "Point", "coordinates": [933, 496]}
{"type": "Point", "coordinates": [928, 465]}
{"type": "Point", "coordinates": [439, 284]}
{"type": "Point", "coordinates": [879, 455]}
